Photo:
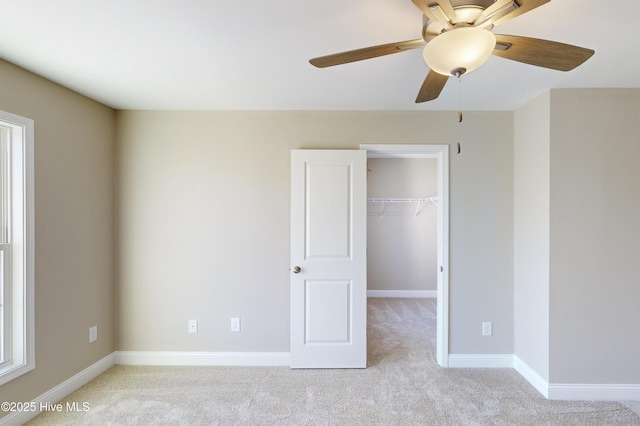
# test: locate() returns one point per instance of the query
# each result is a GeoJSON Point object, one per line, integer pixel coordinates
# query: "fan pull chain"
{"type": "Point", "coordinates": [458, 74]}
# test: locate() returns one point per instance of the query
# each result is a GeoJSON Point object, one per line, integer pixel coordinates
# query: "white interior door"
{"type": "Point", "coordinates": [328, 259]}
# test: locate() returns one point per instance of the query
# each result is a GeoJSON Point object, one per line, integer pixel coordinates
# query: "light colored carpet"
{"type": "Point", "coordinates": [402, 386]}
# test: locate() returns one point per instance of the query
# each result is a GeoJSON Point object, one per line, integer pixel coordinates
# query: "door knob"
{"type": "Point", "coordinates": [296, 269]}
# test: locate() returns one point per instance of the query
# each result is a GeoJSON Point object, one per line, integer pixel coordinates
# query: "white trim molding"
{"type": "Point", "coordinates": [60, 391]}
{"type": "Point", "coordinates": [441, 153]}
{"type": "Point", "coordinates": [244, 359]}
{"type": "Point", "coordinates": [18, 223]}
{"type": "Point", "coordinates": [576, 391]}
{"type": "Point", "coordinates": [407, 294]}
{"type": "Point", "coordinates": [531, 376]}
{"type": "Point", "coordinates": [594, 392]}
{"type": "Point", "coordinates": [481, 361]}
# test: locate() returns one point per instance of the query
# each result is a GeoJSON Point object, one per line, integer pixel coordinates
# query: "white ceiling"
{"type": "Point", "coordinates": [231, 55]}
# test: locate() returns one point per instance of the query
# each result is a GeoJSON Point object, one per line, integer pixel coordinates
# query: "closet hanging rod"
{"type": "Point", "coordinates": [402, 200]}
{"type": "Point", "coordinates": [418, 201]}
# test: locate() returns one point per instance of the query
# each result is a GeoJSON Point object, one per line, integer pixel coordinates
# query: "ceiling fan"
{"type": "Point", "coordinates": [457, 39]}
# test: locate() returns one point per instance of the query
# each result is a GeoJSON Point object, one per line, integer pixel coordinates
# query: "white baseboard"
{"type": "Point", "coordinates": [594, 392]}
{"type": "Point", "coordinates": [577, 391]}
{"type": "Point", "coordinates": [408, 294]}
{"type": "Point", "coordinates": [247, 359]}
{"type": "Point", "coordinates": [531, 376]}
{"type": "Point", "coordinates": [480, 361]}
{"type": "Point", "coordinates": [60, 391]}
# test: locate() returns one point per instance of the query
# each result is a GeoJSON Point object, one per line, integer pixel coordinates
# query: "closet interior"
{"type": "Point", "coordinates": [402, 227]}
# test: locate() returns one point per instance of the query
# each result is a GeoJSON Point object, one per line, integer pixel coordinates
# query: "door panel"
{"type": "Point", "coordinates": [328, 244]}
{"type": "Point", "coordinates": [328, 213]}
{"type": "Point", "coordinates": [323, 297]}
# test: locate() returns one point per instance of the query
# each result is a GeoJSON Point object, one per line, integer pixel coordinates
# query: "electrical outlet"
{"type": "Point", "coordinates": [193, 326]}
{"type": "Point", "coordinates": [235, 324]}
{"type": "Point", "coordinates": [487, 328]}
{"type": "Point", "coordinates": [93, 334]}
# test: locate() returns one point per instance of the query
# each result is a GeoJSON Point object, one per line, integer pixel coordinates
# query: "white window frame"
{"type": "Point", "coordinates": [17, 247]}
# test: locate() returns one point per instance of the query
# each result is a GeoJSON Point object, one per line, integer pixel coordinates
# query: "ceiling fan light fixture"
{"type": "Point", "coordinates": [464, 48]}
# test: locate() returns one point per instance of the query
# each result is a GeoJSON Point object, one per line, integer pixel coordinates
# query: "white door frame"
{"type": "Point", "coordinates": [441, 153]}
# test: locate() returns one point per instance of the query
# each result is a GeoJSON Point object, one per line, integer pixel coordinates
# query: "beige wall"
{"type": "Point", "coordinates": [204, 222]}
{"type": "Point", "coordinates": [402, 247]}
{"type": "Point", "coordinates": [595, 236]}
{"type": "Point", "coordinates": [531, 234]}
{"type": "Point", "coordinates": [204, 227]}
{"type": "Point", "coordinates": [74, 142]}
{"type": "Point", "coordinates": [577, 238]}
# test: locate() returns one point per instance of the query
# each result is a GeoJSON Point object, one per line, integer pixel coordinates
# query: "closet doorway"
{"type": "Point", "coordinates": [402, 221]}
{"type": "Point", "coordinates": [416, 261]}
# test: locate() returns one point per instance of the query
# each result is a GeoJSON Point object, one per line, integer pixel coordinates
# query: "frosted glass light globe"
{"type": "Point", "coordinates": [466, 48]}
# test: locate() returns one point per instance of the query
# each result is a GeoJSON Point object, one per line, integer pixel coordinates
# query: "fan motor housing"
{"type": "Point", "coordinates": [467, 11]}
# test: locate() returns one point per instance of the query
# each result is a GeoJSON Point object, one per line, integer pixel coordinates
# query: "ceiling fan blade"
{"type": "Point", "coordinates": [432, 86]}
{"type": "Point", "coordinates": [365, 53]}
{"type": "Point", "coordinates": [445, 6]}
{"type": "Point", "coordinates": [542, 53]}
{"type": "Point", "coordinates": [437, 10]}
{"type": "Point", "coordinates": [420, 4]}
{"type": "Point", "coordinates": [504, 10]}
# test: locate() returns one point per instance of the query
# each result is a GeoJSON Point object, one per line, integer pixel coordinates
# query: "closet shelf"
{"type": "Point", "coordinates": [419, 202]}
